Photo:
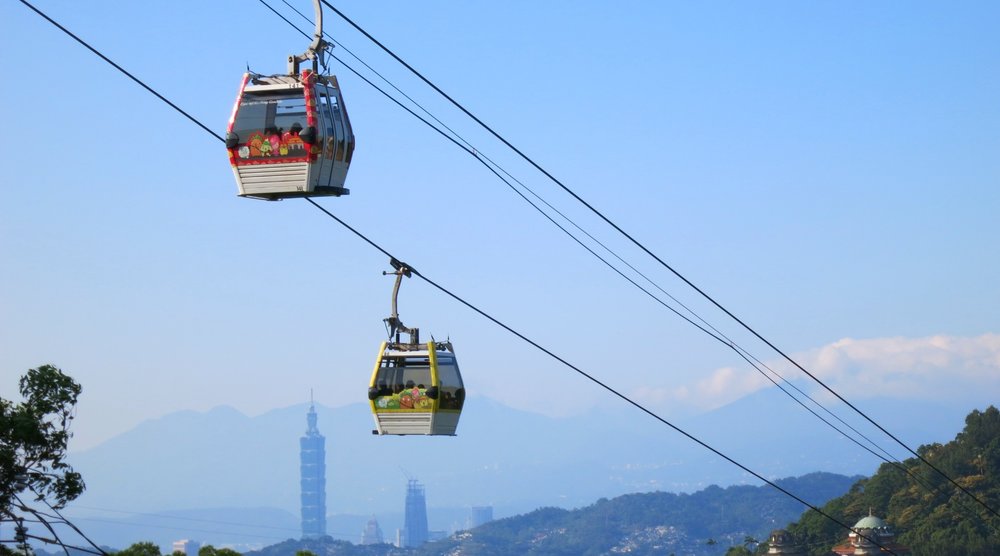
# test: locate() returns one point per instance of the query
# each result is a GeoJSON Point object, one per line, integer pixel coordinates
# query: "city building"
{"type": "Point", "coordinates": [479, 515]}
{"type": "Point", "coordinates": [780, 542]}
{"type": "Point", "coordinates": [372, 533]}
{"type": "Point", "coordinates": [187, 547]}
{"type": "Point", "coordinates": [869, 536]}
{"type": "Point", "coordinates": [313, 478]}
{"type": "Point", "coordinates": [414, 531]}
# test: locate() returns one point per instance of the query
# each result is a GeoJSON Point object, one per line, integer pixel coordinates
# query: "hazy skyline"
{"type": "Point", "coordinates": [829, 173]}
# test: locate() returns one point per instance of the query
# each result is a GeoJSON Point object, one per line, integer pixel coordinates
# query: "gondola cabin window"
{"type": "Point", "coordinates": [402, 384]}
{"type": "Point", "coordinates": [267, 128]}
{"type": "Point", "coordinates": [452, 392]}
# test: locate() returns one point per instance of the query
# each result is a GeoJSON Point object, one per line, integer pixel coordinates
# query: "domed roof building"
{"type": "Point", "coordinates": [871, 535]}
{"type": "Point", "coordinates": [780, 542]}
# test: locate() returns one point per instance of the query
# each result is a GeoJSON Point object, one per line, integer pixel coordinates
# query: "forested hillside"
{"type": "Point", "coordinates": [654, 523]}
{"type": "Point", "coordinates": [930, 515]}
{"type": "Point", "coordinates": [705, 522]}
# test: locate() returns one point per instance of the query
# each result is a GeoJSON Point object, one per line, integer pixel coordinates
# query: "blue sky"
{"type": "Point", "coordinates": [827, 171]}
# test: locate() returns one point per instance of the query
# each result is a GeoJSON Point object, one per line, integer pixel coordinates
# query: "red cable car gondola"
{"type": "Point", "coordinates": [289, 135]}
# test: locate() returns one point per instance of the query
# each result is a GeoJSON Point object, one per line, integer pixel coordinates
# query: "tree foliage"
{"type": "Point", "coordinates": [33, 438]}
{"type": "Point", "coordinates": [209, 550]}
{"type": "Point", "coordinates": [930, 515]}
{"type": "Point", "coordinates": [144, 548]}
{"type": "Point", "coordinates": [704, 522]}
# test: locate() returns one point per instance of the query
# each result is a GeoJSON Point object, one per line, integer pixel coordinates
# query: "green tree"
{"type": "Point", "coordinates": [144, 548]}
{"type": "Point", "coordinates": [929, 515]}
{"type": "Point", "coordinates": [209, 550]}
{"type": "Point", "coordinates": [33, 439]}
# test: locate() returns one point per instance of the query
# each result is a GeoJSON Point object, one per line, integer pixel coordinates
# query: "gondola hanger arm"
{"type": "Point", "coordinates": [393, 322]}
{"type": "Point", "coordinates": [316, 48]}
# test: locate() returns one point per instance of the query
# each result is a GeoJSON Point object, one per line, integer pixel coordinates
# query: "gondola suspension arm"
{"type": "Point", "coordinates": [316, 48]}
{"type": "Point", "coordinates": [393, 323]}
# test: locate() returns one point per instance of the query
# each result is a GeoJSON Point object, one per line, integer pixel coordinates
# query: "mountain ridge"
{"type": "Point", "coordinates": [514, 460]}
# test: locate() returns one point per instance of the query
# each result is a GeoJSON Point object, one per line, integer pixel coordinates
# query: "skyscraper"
{"type": "Point", "coordinates": [313, 473]}
{"type": "Point", "coordinates": [414, 531]}
{"type": "Point", "coordinates": [479, 515]}
{"type": "Point", "coordinates": [372, 533]}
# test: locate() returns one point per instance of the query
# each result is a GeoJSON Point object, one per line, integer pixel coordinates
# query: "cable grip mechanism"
{"type": "Point", "coordinates": [394, 325]}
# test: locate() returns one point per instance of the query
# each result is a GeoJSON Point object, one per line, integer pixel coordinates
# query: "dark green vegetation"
{"type": "Point", "coordinates": [33, 438]}
{"type": "Point", "coordinates": [146, 548]}
{"type": "Point", "coordinates": [934, 520]}
{"type": "Point", "coordinates": [652, 523]}
{"type": "Point", "coordinates": [328, 546]}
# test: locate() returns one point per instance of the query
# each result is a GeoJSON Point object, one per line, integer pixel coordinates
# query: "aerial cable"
{"type": "Point", "coordinates": [184, 527]}
{"type": "Point", "coordinates": [56, 540]}
{"type": "Point", "coordinates": [471, 151]}
{"type": "Point", "coordinates": [676, 273]}
{"type": "Point", "coordinates": [511, 330]}
{"type": "Point", "coordinates": [482, 313]}
{"type": "Point", "coordinates": [493, 167]}
{"type": "Point", "coordinates": [586, 375]}
{"type": "Point", "coordinates": [119, 68]}
{"type": "Point", "coordinates": [179, 518]}
{"type": "Point", "coordinates": [196, 520]}
{"type": "Point", "coordinates": [73, 526]}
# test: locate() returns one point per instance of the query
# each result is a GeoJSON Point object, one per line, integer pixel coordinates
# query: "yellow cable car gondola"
{"type": "Point", "coordinates": [289, 135]}
{"type": "Point", "coordinates": [416, 388]}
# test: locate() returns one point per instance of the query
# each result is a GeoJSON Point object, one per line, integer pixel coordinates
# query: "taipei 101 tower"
{"type": "Point", "coordinates": [313, 458]}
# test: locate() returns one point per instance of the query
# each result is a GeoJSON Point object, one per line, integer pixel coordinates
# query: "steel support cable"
{"type": "Point", "coordinates": [508, 328]}
{"type": "Point", "coordinates": [746, 356]}
{"type": "Point", "coordinates": [646, 250]}
{"type": "Point", "coordinates": [384, 252]}
{"type": "Point", "coordinates": [195, 520]}
{"type": "Point", "coordinates": [718, 335]}
{"type": "Point", "coordinates": [59, 518]}
{"type": "Point", "coordinates": [475, 309]}
{"type": "Point", "coordinates": [588, 376]}
{"type": "Point", "coordinates": [273, 536]}
{"type": "Point", "coordinates": [72, 526]}
{"type": "Point", "coordinates": [477, 153]}
{"type": "Point", "coordinates": [181, 518]}
{"type": "Point", "coordinates": [116, 66]}
{"type": "Point", "coordinates": [55, 536]}
{"type": "Point", "coordinates": [493, 167]}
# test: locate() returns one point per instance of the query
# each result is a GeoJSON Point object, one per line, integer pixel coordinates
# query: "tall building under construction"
{"type": "Point", "coordinates": [414, 531]}
{"type": "Point", "coordinates": [313, 479]}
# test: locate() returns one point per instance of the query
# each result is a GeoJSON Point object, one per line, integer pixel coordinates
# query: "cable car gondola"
{"type": "Point", "coordinates": [416, 388]}
{"type": "Point", "coordinates": [289, 135]}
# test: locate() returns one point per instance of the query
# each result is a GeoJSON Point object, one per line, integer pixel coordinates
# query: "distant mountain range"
{"type": "Point", "coordinates": [221, 471]}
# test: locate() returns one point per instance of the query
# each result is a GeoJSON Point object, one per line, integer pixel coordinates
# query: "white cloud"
{"type": "Point", "coordinates": [722, 386]}
{"type": "Point", "coordinates": [934, 367]}
{"type": "Point", "coordinates": [943, 368]}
